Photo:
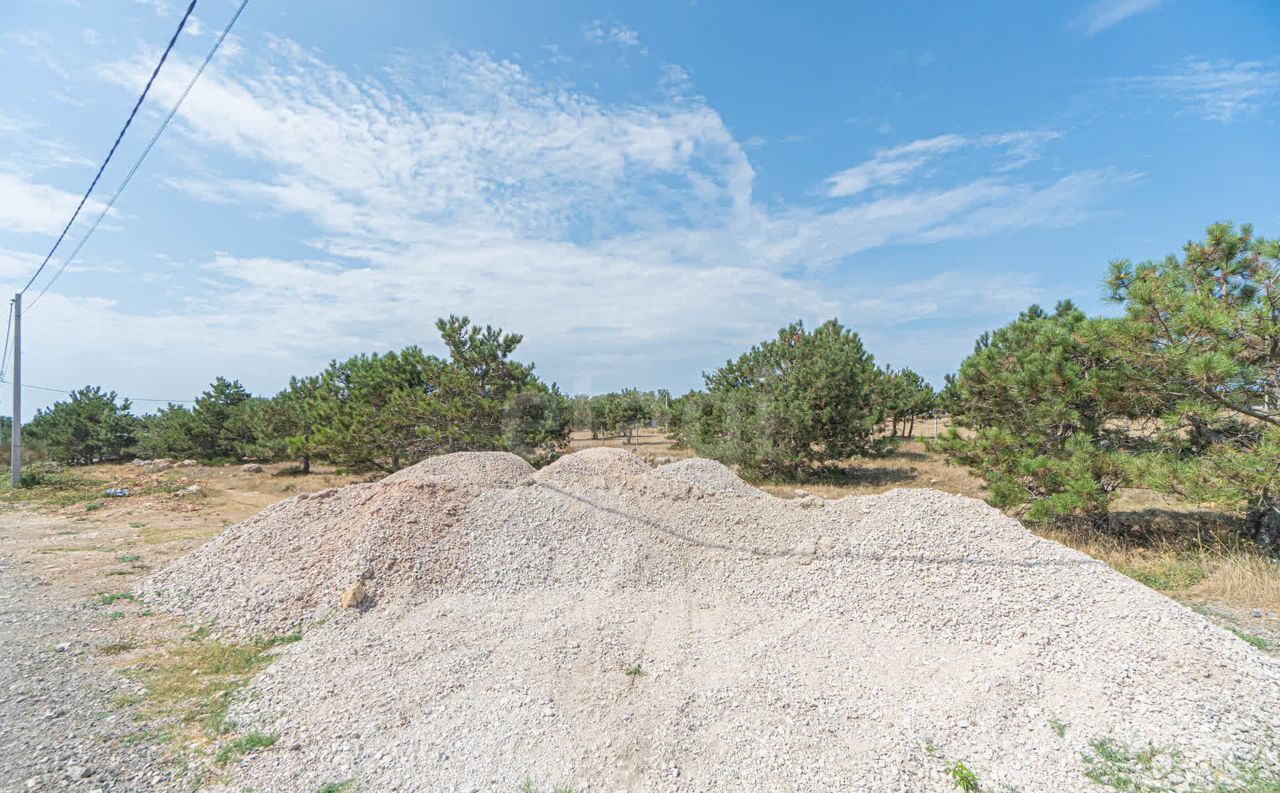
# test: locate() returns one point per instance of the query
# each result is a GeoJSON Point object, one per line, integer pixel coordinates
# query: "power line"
{"type": "Point", "coordinates": [8, 327]}
{"type": "Point", "coordinates": [131, 399]}
{"type": "Point", "coordinates": [173, 40]}
{"type": "Point", "coordinates": [145, 151]}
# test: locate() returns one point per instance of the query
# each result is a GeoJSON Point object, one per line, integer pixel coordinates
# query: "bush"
{"type": "Point", "coordinates": [791, 402]}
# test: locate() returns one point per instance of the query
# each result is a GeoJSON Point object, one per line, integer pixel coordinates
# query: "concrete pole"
{"type": "Point", "coordinates": [15, 447]}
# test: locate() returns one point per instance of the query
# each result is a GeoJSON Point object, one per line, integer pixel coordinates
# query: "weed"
{"type": "Point", "coordinates": [242, 746]}
{"type": "Point", "coordinates": [1114, 764]}
{"type": "Point", "coordinates": [635, 671]}
{"type": "Point", "coordinates": [137, 524]}
{"type": "Point", "coordinates": [106, 599]}
{"type": "Point", "coordinates": [128, 557]}
{"type": "Point", "coordinates": [1256, 641]}
{"type": "Point", "coordinates": [931, 748]}
{"type": "Point", "coordinates": [963, 777]}
{"type": "Point", "coordinates": [145, 736]}
{"type": "Point", "coordinates": [286, 638]}
{"type": "Point", "coordinates": [116, 648]}
{"type": "Point", "coordinates": [528, 787]}
{"type": "Point", "coordinates": [348, 786]}
{"type": "Point", "coordinates": [1058, 726]}
{"type": "Point", "coordinates": [122, 701]}
{"type": "Point", "coordinates": [93, 506]}
{"type": "Point", "coordinates": [115, 615]}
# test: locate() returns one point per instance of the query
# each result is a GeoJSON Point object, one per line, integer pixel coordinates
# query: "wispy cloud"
{"type": "Point", "coordinates": [467, 185]}
{"type": "Point", "coordinates": [600, 31]}
{"type": "Point", "coordinates": [1222, 91]}
{"type": "Point", "coordinates": [892, 166]}
{"type": "Point", "coordinates": [1105, 13]}
{"type": "Point", "coordinates": [31, 207]}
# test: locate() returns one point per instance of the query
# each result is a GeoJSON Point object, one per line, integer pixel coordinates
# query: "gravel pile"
{"type": "Point", "coordinates": [290, 564]}
{"type": "Point", "coordinates": [600, 625]}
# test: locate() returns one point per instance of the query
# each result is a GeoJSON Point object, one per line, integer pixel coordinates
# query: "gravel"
{"type": "Point", "coordinates": [58, 730]}
{"type": "Point", "coordinates": [606, 626]}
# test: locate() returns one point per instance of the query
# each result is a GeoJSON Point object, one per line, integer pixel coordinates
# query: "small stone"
{"type": "Point", "coordinates": [251, 468]}
{"type": "Point", "coordinates": [354, 595]}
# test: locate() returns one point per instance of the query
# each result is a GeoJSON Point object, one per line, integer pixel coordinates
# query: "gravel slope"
{"type": "Point", "coordinates": [611, 627]}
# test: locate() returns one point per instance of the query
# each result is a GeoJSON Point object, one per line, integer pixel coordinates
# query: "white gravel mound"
{"type": "Point", "coordinates": [604, 626]}
{"type": "Point", "coordinates": [478, 469]}
{"type": "Point", "coordinates": [707, 474]}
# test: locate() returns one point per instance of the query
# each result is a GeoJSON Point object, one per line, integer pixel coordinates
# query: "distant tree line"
{"type": "Point", "coordinates": [1180, 392]}
{"type": "Point", "coordinates": [621, 413]}
{"type": "Point", "coordinates": [378, 411]}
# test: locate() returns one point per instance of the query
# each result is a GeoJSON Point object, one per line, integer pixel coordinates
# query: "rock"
{"type": "Point", "coordinates": [188, 464]}
{"type": "Point", "coordinates": [189, 490]}
{"type": "Point", "coordinates": [251, 468]}
{"type": "Point", "coordinates": [354, 595]}
{"type": "Point", "coordinates": [62, 648]}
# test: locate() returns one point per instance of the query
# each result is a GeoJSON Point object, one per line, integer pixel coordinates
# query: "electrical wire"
{"type": "Point", "coordinates": [145, 151]}
{"type": "Point", "coordinates": [131, 399]}
{"type": "Point", "coordinates": [163, 57]}
{"type": "Point", "coordinates": [8, 328]}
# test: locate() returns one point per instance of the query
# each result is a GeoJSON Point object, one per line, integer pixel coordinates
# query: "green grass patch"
{"type": "Point", "coordinates": [125, 558]}
{"type": "Point", "coordinates": [242, 745]}
{"type": "Point", "coordinates": [1115, 765]}
{"type": "Point", "coordinates": [107, 598]}
{"type": "Point", "coordinates": [528, 787]}
{"type": "Point", "coordinates": [117, 648]}
{"type": "Point", "coordinates": [115, 615]}
{"type": "Point", "coordinates": [1168, 573]}
{"type": "Point", "coordinates": [1058, 726]}
{"type": "Point", "coordinates": [349, 786]}
{"type": "Point", "coordinates": [50, 486]}
{"type": "Point", "coordinates": [189, 686]}
{"type": "Point", "coordinates": [1249, 638]}
{"type": "Point", "coordinates": [634, 671]}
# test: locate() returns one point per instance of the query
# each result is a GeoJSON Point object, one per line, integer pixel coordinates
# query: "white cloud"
{"type": "Point", "coordinates": [894, 165]}
{"type": "Point", "coordinates": [34, 208]}
{"type": "Point", "coordinates": [623, 239]}
{"type": "Point", "coordinates": [1104, 13]}
{"type": "Point", "coordinates": [161, 7]}
{"type": "Point", "coordinates": [1222, 91]}
{"type": "Point", "coordinates": [601, 32]}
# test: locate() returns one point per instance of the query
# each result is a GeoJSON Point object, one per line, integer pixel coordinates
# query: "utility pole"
{"type": "Point", "coordinates": [15, 435]}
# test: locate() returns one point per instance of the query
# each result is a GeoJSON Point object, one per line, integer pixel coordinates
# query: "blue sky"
{"type": "Point", "coordinates": [643, 190]}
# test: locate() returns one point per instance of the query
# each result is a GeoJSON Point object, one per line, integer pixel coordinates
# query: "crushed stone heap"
{"type": "Point", "coordinates": [600, 625]}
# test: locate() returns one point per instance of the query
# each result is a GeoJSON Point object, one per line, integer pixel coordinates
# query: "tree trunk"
{"type": "Point", "coordinates": [1262, 525]}
{"type": "Point", "coordinates": [306, 464]}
